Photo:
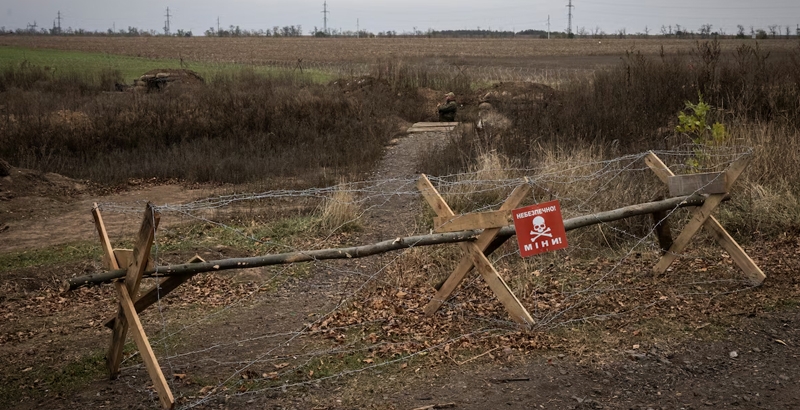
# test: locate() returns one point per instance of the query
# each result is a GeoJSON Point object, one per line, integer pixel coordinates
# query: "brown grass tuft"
{"type": "Point", "coordinates": [340, 211]}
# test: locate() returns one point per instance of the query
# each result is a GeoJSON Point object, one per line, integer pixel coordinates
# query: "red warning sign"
{"type": "Point", "coordinates": [540, 228]}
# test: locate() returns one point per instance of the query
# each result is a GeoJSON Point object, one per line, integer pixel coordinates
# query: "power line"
{"type": "Point", "coordinates": [166, 25]}
{"type": "Point", "coordinates": [59, 22]}
{"type": "Point", "coordinates": [569, 19]}
{"type": "Point", "coordinates": [325, 17]}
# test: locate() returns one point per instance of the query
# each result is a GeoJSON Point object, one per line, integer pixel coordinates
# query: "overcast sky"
{"type": "Point", "coordinates": [405, 15]}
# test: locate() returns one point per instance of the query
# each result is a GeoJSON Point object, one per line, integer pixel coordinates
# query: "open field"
{"type": "Point", "coordinates": [65, 62]}
{"type": "Point", "coordinates": [570, 54]}
{"type": "Point", "coordinates": [261, 161]}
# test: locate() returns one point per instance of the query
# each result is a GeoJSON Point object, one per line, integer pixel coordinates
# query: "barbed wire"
{"type": "Point", "coordinates": [581, 188]}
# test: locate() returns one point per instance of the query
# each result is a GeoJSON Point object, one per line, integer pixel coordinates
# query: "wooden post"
{"type": "Point", "coordinates": [141, 253]}
{"type": "Point", "coordinates": [701, 216]}
{"type": "Point", "coordinates": [145, 351]}
{"type": "Point", "coordinates": [474, 254]}
{"type": "Point", "coordinates": [137, 261]}
{"type": "Point", "coordinates": [662, 228]}
{"type": "Point", "coordinates": [498, 286]}
{"type": "Point", "coordinates": [109, 259]}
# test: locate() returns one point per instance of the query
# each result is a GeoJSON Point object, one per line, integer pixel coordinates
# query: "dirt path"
{"type": "Point", "coordinates": [396, 213]}
{"type": "Point", "coordinates": [42, 220]}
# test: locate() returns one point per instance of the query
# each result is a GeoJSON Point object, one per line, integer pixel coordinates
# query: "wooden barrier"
{"type": "Point", "coordinates": [127, 316]}
{"type": "Point", "coordinates": [477, 234]}
{"type": "Point", "coordinates": [701, 216]}
{"type": "Point", "coordinates": [363, 251]}
{"type": "Point", "coordinates": [474, 252]}
{"type": "Point", "coordinates": [432, 127]}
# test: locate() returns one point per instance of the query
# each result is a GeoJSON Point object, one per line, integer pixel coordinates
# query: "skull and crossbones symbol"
{"type": "Point", "coordinates": [540, 229]}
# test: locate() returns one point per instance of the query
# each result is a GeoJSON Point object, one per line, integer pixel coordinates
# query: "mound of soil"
{"type": "Point", "coordinates": [513, 91]}
{"type": "Point", "coordinates": [360, 84]}
{"type": "Point", "coordinates": [181, 75]}
{"type": "Point", "coordinates": [21, 182]}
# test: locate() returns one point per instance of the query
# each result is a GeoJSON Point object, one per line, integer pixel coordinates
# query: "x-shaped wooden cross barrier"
{"type": "Point", "coordinates": [476, 252]}
{"type": "Point", "coordinates": [136, 261]}
{"type": "Point", "coordinates": [716, 185]}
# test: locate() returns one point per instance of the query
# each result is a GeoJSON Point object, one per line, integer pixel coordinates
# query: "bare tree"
{"type": "Point", "coordinates": [773, 30]}
{"type": "Point", "coordinates": [705, 30]}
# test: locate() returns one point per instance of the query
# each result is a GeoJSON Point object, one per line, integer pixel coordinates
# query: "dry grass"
{"type": "Point", "coordinates": [633, 107]}
{"type": "Point", "coordinates": [340, 211]}
{"type": "Point", "coordinates": [480, 187]}
{"type": "Point", "coordinates": [768, 194]}
{"type": "Point", "coordinates": [240, 127]}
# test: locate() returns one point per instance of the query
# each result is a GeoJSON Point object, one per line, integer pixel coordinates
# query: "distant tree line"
{"type": "Point", "coordinates": [704, 31]}
{"type": "Point", "coordinates": [666, 31]}
{"type": "Point", "coordinates": [236, 31]}
{"type": "Point", "coordinates": [129, 32]}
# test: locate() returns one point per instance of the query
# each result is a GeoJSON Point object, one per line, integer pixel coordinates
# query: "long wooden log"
{"type": "Point", "coordinates": [380, 247]}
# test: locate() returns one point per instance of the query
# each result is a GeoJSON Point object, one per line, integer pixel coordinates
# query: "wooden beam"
{"type": "Point", "coordinates": [663, 172]}
{"type": "Point", "coordinates": [662, 228]}
{"type": "Point", "coordinates": [415, 130]}
{"type": "Point", "coordinates": [498, 286]}
{"type": "Point", "coordinates": [699, 216]}
{"type": "Point", "coordinates": [159, 291]}
{"type": "Point", "coordinates": [433, 198]}
{"type": "Point", "coordinates": [658, 167]}
{"type": "Point", "coordinates": [125, 257]}
{"type": "Point", "coordinates": [362, 251]}
{"type": "Point", "coordinates": [141, 252]}
{"type": "Point", "coordinates": [484, 240]}
{"type": "Point", "coordinates": [435, 124]}
{"type": "Point", "coordinates": [109, 261]}
{"type": "Point", "coordinates": [739, 256]}
{"type": "Point", "coordinates": [133, 278]}
{"type": "Point", "coordinates": [482, 220]}
{"type": "Point", "coordinates": [432, 127]}
{"type": "Point", "coordinates": [429, 129]}
{"type": "Point", "coordinates": [705, 183]}
{"type": "Point", "coordinates": [145, 351]}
